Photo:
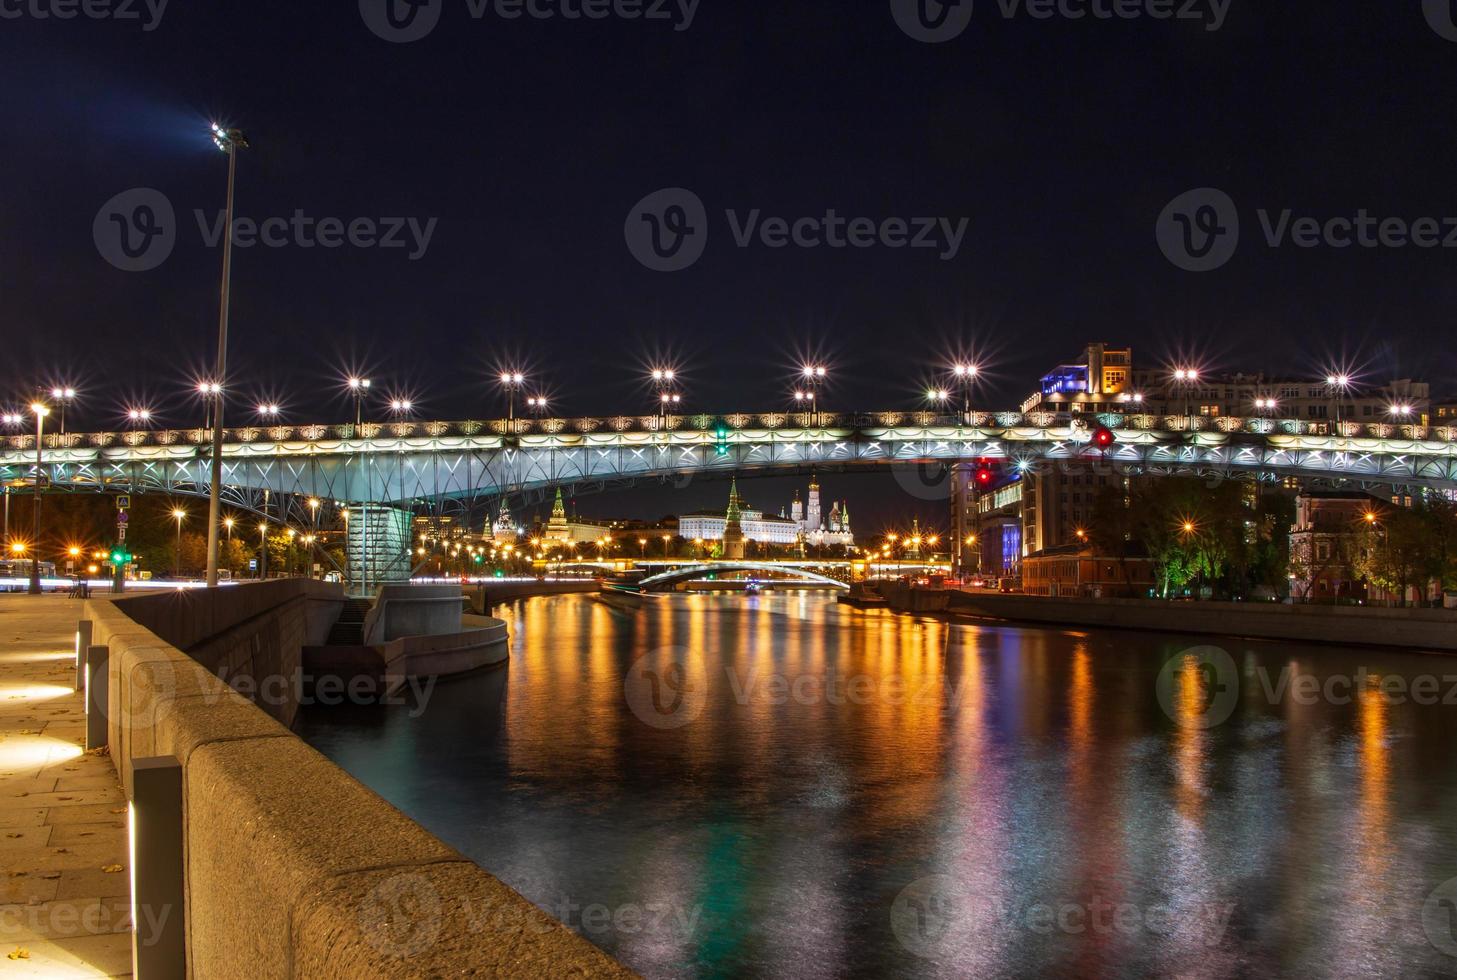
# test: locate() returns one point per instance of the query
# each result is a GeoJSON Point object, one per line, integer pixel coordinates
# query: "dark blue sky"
{"type": "Point", "coordinates": [530, 141]}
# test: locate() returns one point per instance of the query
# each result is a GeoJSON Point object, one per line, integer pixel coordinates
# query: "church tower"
{"type": "Point", "coordinates": [733, 530]}
{"type": "Point", "coordinates": [812, 511]}
{"type": "Point", "coordinates": [556, 528]}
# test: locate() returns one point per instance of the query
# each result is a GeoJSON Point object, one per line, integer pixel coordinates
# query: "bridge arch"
{"type": "Point", "coordinates": [690, 572]}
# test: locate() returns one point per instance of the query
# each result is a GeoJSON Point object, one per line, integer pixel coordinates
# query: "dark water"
{"type": "Point", "coordinates": [780, 786]}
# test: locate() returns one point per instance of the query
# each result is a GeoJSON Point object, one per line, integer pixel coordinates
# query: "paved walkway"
{"type": "Point", "coordinates": [64, 887]}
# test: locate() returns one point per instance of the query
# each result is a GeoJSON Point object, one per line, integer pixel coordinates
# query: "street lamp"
{"type": "Point", "coordinates": [179, 515]}
{"type": "Point", "coordinates": [1338, 384]}
{"type": "Point", "coordinates": [814, 375]}
{"type": "Point", "coordinates": [40, 410]}
{"type": "Point", "coordinates": [938, 397]}
{"type": "Point", "coordinates": [229, 141]}
{"type": "Point", "coordinates": [61, 396]}
{"type": "Point", "coordinates": [139, 417]}
{"type": "Point", "coordinates": [512, 382]}
{"type": "Point", "coordinates": [1188, 379]}
{"type": "Point", "coordinates": [262, 549]}
{"type": "Point", "coordinates": [268, 412]}
{"type": "Point", "coordinates": [1266, 406]}
{"type": "Point", "coordinates": [537, 404]}
{"type": "Point", "coordinates": [401, 407]}
{"type": "Point", "coordinates": [359, 388]}
{"type": "Point", "coordinates": [966, 375]}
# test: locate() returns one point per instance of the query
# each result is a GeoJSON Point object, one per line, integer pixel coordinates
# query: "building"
{"type": "Point", "coordinates": [815, 530]}
{"type": "Point", "coordinates": [1076, 571]}
{"type": "Point", "coordinates": [559, 527]}
{"type": "Point", "coordinates": [733, 528]}
{"type": "Point", "coordinates": [804, 525]}
{"type": "Point", "coordinates": [1325, 543]}
{"type": "Point", "coordinates": [504, 530]}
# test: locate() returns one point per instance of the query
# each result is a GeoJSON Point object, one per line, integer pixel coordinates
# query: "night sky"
{"type": "Point", "coordinates": [529, 142]}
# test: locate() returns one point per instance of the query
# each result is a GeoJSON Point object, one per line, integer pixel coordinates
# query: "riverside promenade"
{"type": "Point", "coordinates": [64, 884]}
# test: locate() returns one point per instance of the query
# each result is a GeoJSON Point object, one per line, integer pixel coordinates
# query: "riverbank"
{"type": "Point", "coordinates": [1428, 630]}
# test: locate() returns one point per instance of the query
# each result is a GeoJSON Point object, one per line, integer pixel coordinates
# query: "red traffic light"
{"type": "Point", "coordinates": [1103, 437]}
{"type": "Point", "coordinates": [983, 476]}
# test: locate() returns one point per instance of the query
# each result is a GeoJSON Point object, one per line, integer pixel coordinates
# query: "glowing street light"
{"type": "Point", "coordinates": [40, 410]}
{"type": "Point", "coordinates": [229, 141]}
{"type": "Point", "coordinates": [359, 390]}
{"type": "Point", "coordinates": [61, 396]}
{"type": "Point", "coordinates": [179, 515]}
{"type": "Point", "coordinates": [139, 417]}
{"type": "Point", "coordinates": [268, 411]}
{"type": "Point", "coordinates": [512, 382]}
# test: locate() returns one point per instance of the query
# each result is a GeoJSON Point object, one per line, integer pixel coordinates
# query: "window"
{"type": "Point", "coordinates": [1322, 551]}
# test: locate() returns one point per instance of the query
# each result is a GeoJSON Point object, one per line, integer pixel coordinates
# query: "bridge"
{"type": "Point", "coordinates": [776, 572]}
{"type": "Point", "coordinates": [414, 464]}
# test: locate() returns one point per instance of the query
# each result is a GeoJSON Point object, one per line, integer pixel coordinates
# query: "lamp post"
{"type": "Point", "coordinates": [814, 376]}
{"type": "Point", "coordinates": [1187, 379]}
{"type": "Point", "coordinates": [41, 410]}
{"type": "Point", "coordinates": [140, 418]}
{"type": "Point", "coordinates": [229, 141]}
{"type": "Point", "coordinates": [512, 382]}
{"type": "Point", "coordinates": [262, 550]}
{"type": "Point", "coordinates": [179, 515]}
{"type": "Point", "coordinates": [938, 397]}
{"type": "Point", "coordinates": [60, 396]}
{"type": "Point", "coordinates": [966, 375]}
{"type": "Point", "coordinates": [1338, 384]}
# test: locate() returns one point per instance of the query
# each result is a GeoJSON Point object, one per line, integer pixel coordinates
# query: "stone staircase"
{"type": "Point", "coordinates": [349, 630]}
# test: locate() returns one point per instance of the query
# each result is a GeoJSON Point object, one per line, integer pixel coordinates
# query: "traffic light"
{"type": "Point", "coordinates": [121, 556]}
{"type": "Point", "coordinates": [721, 437]}
{"type": "Point", "coordinates": [1103, 437]}
{"type": "Point", "coordinates": [984, 476]}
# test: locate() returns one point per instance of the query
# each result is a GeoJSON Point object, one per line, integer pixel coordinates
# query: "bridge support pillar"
{"type": "Point", "coordinates": [379, 545]}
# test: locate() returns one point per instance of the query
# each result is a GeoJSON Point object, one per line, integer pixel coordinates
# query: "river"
{"type": "Point", "coordinates": [727, 785]}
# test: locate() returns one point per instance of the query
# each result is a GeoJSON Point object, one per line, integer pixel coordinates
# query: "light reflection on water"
{"type": "Point", "coordinates": [919, 827]}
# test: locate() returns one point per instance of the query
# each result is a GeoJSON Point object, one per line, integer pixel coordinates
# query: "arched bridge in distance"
{"type": "Point", "coordinates": [449, 467]}
{"type": "Point", "coordinates": [775, 573]}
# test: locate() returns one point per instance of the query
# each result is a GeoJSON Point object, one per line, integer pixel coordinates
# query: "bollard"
{"type": "Point", "coordinates": [97, 659]}
{"type": "Point", "coordinates": [159, 925]}
{"type": "Point", "coordinates": [83, 643]}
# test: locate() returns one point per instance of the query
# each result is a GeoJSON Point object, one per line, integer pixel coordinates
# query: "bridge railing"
{"type": "Point", "coordinates": [829, 423]}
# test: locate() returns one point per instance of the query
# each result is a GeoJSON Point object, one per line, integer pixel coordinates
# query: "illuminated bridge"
{"type": "Point", "coordinates": [451, 465]}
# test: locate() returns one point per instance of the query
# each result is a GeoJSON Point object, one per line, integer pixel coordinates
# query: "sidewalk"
{"type": "Point", "coordinates": [64, 887]}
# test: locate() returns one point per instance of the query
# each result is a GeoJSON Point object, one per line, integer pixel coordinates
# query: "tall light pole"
{"type": "Point", "coordinates": [41, 410]}
{"type": "Point", "coordinates": [814, 376]}
{"type": "Point", "coordinates": [1338, 384]}
{"type": "Point", "coordinates": [965, 374]}
{"type": "Point", "coordinates": [1187, 378]}
{"type": "Point", "coordinates": [60, 396]}
{"type": "Point", "coordinates": [179, 515]}
{"type": "Point", "coordinates": [512, 382]}
{"type": "Point", "coordinates": [230, 141]}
